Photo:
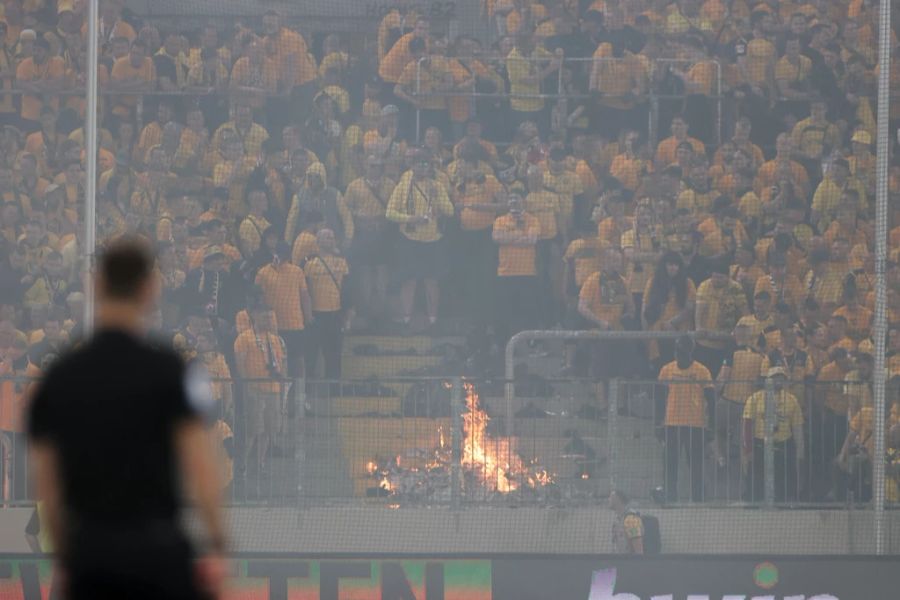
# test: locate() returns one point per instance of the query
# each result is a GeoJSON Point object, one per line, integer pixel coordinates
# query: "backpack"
{"type": "Point", "coordinates": [652, 538]}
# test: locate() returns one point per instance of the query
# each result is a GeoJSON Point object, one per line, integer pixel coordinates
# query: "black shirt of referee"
{"type": "Point", "coordinates": [115, 425]}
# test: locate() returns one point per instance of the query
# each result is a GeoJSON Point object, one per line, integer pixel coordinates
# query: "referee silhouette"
{"type": "Point", "coordinates": [116, 427]}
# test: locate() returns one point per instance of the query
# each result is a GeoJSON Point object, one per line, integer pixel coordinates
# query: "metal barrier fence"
{"type": "Point", "coordinates": [652, 94]}
{"type": "Point", "coordinates": [449, 441]}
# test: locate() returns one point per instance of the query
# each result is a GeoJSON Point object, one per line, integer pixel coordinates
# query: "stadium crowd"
{"type": "Point", "coordinates": [692, 166]}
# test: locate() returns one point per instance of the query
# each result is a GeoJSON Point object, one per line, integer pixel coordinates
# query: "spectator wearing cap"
{"type": "Point", "coordinates": [862, 160]}
{"type": "Point", "coordinates": [761, 320]}
{"type": "Point", "coordinates": [418, 203]}
{"type": "Point", "coordinates": [829, 194]}
{"type": "Point", "coordinates": [325, 275]}
{"type": "Point", "coordinates": [787, 439]}
{"type": "Point", "coordinates": [285, 289]}
{"type": "Point", "coordinates": [39, 76]}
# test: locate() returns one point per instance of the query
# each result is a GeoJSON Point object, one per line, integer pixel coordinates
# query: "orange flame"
{"type": "Point", "coordinates": [493, 461]}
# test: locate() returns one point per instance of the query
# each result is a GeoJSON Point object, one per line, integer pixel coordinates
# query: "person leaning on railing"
{"type": "Point", "coordinates": [787, 440]}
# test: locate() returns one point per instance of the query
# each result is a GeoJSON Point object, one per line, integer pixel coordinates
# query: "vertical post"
{"type": "Point", "coordinates": [418, 91]}
{"type": "Point", "coordinates": [90, 184]}
{"type": "Point", "coordinates": [299, 399]}
{"type": "Point", "coordinates": [612, 426]}
{"type": "Point", "coordinates": [769, 448]}
{"type": "Point", "coordinates": [718, 103]}
{"type": "Point", "coordinates": [456, 437]}
{"type": "Point", "coordinates": [881, 224]}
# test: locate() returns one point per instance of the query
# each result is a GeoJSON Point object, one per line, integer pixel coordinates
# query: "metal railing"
{"type": "Point", "coordinates": [455, 441]}
{"type": "Point", "coordinates": [653, 96]}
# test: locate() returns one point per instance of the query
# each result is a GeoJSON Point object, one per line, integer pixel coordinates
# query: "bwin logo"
{"type": "Point", "coordinates": [603, 587]}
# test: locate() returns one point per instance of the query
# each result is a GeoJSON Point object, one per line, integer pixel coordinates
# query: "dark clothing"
{"type": "Point", "coordinates": [110, 410]}
{"type": "Point", "coordinates": [697, 269]}
{"type": "Point", "coordinates": [516, 306]}
{"type": "Point", "coordinates": [692, 440]}
{"type": "Point", "coordinates": [325, 338]}
{"type": "Point", "coordinates": [146, 562]}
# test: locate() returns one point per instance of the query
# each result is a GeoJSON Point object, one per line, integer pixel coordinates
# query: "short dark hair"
{"type": "Point", "coordinates": [125, 266]}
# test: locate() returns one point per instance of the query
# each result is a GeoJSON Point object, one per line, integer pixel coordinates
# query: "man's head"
{"type": "Point", "coordinates": [515, 203]}
{"type": "Point", "coordinates": [374, 167]}
{"type": "Point", "coordinates": [684, 351]}
{"type": "Point", "coordinates": [719, 275]}
{"type": "Point", "coordinates": [53, 264]}
{"type": "Point", "coordinates": [679, 128]}
{"type": "Point", "coordinates": [778, 377]}
{"type": "Point", "coordinates": [138, 53]}
{"type": "Point", "coordinates": [41, 51]}
{"type": "Point", "coordinates": [762, 305]}
{"type": "Point", "coordinates": [125, 274]}
{"type": "Point", "coordinates": [271, 22]}
{"type": "Point", "coordinates": [325, 240]}
{"type": "Point", "coordinates": [422, 28]}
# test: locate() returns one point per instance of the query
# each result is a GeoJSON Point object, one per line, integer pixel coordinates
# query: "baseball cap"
{"type": "Point", "coordinates": [862, 137]}
{"type": "Point", "coordinates": [212, 252]}
{"type": "Point", "coordinates": [773, 371]}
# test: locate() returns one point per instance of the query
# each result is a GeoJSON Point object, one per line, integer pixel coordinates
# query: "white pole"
{"type": "Point", "coordinates": [90, 187]}
{"type": "Point", "coordinates": [881, 227]}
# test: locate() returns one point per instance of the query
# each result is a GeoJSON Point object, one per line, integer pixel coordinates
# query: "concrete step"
{"type": "Point", "coordinates": [363, 406]}
{"type": "Point", "coordinates": [422, 344]}
{"type": "Point", "coordinates": [361, 367]}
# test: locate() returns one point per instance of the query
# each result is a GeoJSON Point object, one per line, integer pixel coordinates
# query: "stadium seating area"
{"type": "Point", "coordinates": [334, 211]}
